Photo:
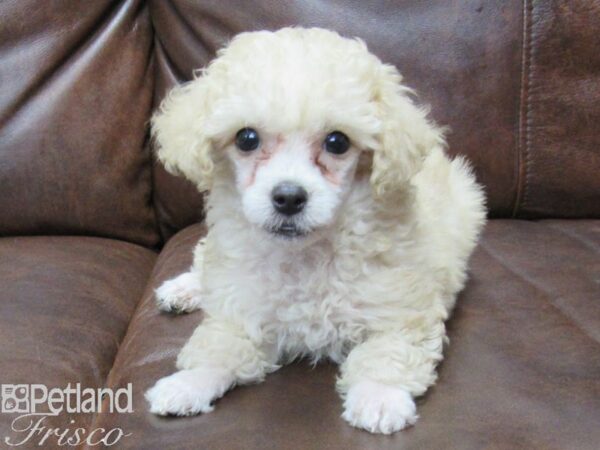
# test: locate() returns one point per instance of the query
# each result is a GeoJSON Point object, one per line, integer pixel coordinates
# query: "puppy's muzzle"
{"type": "Point", "coordinates": [289, 198]}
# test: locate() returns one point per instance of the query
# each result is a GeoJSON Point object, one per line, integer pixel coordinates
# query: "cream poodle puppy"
{"type": "Point", "coordinates": [338, 227]}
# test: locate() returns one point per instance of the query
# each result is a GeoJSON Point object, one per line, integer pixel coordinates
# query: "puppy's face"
{"type": "Point", "coordinates": [292, 184]}
{"type": "Point", "coordinates": [292, 123]}
{"type": "Point", "coordinates": [286, 118]}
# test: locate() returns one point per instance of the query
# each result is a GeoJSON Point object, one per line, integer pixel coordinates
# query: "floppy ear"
{"type": "Point", "coordinates": [178, 127]}
{"type": "Point", "coordinates": [407, 136]}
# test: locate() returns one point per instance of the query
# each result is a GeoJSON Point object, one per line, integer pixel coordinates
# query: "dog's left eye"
{"type": "Point", "coordinates": [336, 142]}
{"type": "Point", "coordinates": [247, 139]}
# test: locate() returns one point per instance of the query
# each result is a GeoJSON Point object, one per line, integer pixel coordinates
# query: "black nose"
{"type": "Point", "coordinates": [289, 198]}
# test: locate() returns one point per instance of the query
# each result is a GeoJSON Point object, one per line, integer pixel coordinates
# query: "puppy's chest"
{"type": "Point", "coordinates": [312, 301]}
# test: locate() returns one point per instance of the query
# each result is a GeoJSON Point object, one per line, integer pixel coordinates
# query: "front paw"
{"type": "Point", "coordinates": [379, 408]}
{"type": "Point", "coordinates": [181, 294]}
{"type": "Point", "coordinates": [187, 392]}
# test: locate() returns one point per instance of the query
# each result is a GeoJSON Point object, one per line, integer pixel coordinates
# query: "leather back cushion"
{"type": "Point", "coordinates": [75, 96]}
{"type": "Point", "coordinates": [559, 170]}
{"type": "Point", "coordinates": [516, 83]}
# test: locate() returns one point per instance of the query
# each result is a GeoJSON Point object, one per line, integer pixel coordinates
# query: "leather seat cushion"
{"type": "Point", "coordinates": [522, 369]}
{"type": "Point", "coordinates": [65, 304]}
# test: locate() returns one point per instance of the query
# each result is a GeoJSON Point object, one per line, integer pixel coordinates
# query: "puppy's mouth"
{"type": "Point", "coordinates": [288, 230]}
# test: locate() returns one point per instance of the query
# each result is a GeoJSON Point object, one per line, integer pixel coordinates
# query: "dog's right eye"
{"type": "Point", "coordinates": [247, 139]}
{"type": "Point", "coordinates": [337, 143]}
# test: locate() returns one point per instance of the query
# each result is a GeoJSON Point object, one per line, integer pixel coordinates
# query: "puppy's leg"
{"type": "Point", "coordinates": [381, 376]}
{"type": "Point", "coordinates": [180, 294]}
{"type": "Point", "coordinates": [218, 356]}
{"type": "Point", "coordinates": [183, 293]}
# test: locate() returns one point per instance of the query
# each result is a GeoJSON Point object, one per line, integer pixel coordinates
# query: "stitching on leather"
{"type": "Point", "coordinates": [524, 107]}
{"type": "Point", "coordinates": [529, 115]}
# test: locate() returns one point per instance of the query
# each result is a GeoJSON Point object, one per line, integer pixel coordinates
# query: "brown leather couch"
{"type": "Point", "coordinates": [91, 224]}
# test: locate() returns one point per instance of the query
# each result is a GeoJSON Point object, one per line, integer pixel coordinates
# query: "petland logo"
{"type": "Point", "coordinates": [35, 403]}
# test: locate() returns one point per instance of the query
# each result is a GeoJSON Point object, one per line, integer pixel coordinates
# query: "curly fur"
{"type": "Point", "coordinates": [387, 241]}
